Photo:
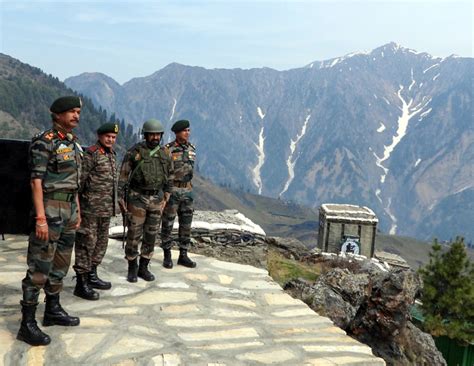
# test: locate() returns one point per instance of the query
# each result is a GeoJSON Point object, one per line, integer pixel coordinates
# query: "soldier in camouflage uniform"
{"type": "Point", "coordinates": [55, 162]}
{"type": "Point", "coordinates": [183, 155]}
{"type": "Point", "coordinates": [98, 199]}
{"type": "Point", "coordinates": [145, 175]}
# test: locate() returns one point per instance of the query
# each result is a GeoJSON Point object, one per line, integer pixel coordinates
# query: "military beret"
{"type": "Point", "coordinates": [108, 128]}
{"type": "Point", "coordinates": [64, 104]}
{"type": "Point", "coordinates": [180, 125]}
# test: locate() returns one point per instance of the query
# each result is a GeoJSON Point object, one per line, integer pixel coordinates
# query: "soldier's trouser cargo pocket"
{"type": "Point", "coordinates": [48, 261]}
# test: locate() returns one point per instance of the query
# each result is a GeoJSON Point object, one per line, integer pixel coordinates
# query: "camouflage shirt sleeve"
{"type": "Point", "coordinates": [169, 181]}
{"type": "Point", "coordinates": [125, 171]}
{"type": "Point", "coordinates": [40, 152]}
{"type": "Point", "coordinates": [87, 165]}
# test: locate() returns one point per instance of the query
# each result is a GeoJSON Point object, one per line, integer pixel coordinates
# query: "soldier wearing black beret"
{"type": "Point", "coordinates": [55, 159]}
{"type": "Point", "coordinates": [98, 199]}
{"type": "Point", "coordinates": [180, 203]}
{"type": "Point", "coordinates": [109, 127]}
{"type": "Point", "coordinates": [64, 104]}
{"type": "Point", "coordinates": [180, 125]}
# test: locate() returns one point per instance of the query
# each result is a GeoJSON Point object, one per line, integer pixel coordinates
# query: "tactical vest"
{"type": "Point", "coordinates": [153, 172]}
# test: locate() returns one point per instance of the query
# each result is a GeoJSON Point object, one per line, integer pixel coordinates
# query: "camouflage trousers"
{"type": "Point", "coordinates": [91, 242]}
{"type": "Point", "coordinates": [144, 218]}
{"type": "Point", "coordinates": [181, 204]}
{"type": "Point", "coordinates": [48, 261]}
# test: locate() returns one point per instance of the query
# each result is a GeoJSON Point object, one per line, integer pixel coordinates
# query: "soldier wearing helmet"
{"type": "Point", "coordinates": [144, 188]}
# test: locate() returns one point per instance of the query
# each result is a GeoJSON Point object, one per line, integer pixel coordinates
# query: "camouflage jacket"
{"type": "Point", "coordinates": [55, 157]}
{"type": "Point", "coordinates": [98, 191]}
{"type": "Point", "coordinates": [184, 158]}
{"type": "Point", "coordinates": [154, 173]}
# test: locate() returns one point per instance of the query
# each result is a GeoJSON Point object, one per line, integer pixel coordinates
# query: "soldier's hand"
{"type": "Point", "coordinates": [123, 208]}
{"type": "Point", "coordinates": [162, 205]}
{"type": "Point", "coordinates": [41, 229]}
{"type": "Point", "coordinates": [78, 222]}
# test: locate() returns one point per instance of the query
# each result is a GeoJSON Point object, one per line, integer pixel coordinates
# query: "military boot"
{"type": "Point", "coordinates": [143, 271]}
{"type": "Point", "coordinates": [83, 289]}
{"type": "Point", "coordinates": [29, 331]}
{"type": "Point", "coordinates": [167, 261]}
{"type": "Point", "coordinates": [184, 260]}
{"type": "Point", "coordinates": [96, 282]}
{"type": "Point", "coordinates": [132, 270]}
{"type": "Point", "coordinates": [54, 314]}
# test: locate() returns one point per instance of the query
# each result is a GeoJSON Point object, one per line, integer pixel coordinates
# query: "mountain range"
{"type": "Point", "coordinates": [391, 129]}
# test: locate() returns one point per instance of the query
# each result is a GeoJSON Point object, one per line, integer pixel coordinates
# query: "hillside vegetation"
{"type": "Point", "coordinates": [25, 96]}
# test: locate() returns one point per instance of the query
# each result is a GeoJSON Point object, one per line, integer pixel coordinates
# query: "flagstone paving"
{"type": "Point", "coordinates": [216, 314]}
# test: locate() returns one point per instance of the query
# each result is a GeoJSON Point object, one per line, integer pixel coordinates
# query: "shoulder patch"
{"type": "Point", "coordinates": [47, 135]}
{"type": "Point", "coordinates": [92, 148]}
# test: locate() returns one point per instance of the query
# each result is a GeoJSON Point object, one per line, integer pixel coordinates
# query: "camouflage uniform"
{"type": "Point", "coordinates": [146, 192]}
{"type": "Point", "coordinates": [182, 197]}
{"type": "Point", "coordinates": [98, 200]}
{"type": "Point", "coordinates": [55, 158]}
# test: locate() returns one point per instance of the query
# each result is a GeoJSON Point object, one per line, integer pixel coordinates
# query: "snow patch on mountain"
{"type": "Point", "coordinates": [412, 81]}
{"type": "Point", "coordinates": [408, 112]}
{"type": "Point", "coordinates": [257, 178]}
{"type": "Point", "coordinates": [418, 161]}
{"type": "Point", "coordinates": [429, 68]}
{"type": "Point", "coordinates": [173, 108]}
{"type": "Point", "coordinates": [290, 162]}
{"type": "Point", "coordinates": [381, 128]}
{"type": "Point", "coordinates": [424, 114]}
{"type": "Point", "coordinates": [260, 113]}
{"type": "Point", "coordinates": [393, 227]}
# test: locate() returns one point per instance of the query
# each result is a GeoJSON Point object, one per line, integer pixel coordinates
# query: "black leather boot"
{"type": "Point", "coordinates": [132, 270]}
{"type": "Point", "coordinates": [184, 260]}
{"type": "Point", "coordinates": [167, 261]}
{"type": "Point", "coordinates": [143, 271]}
{"type": "Point", "coordinates": [54, 314]}
{"type": "Point", "coordinates": [29, 331]}
{"type": "Point", "coordinates": [83, 289]}
{"type": "Point", "coordinates": [96, 282]}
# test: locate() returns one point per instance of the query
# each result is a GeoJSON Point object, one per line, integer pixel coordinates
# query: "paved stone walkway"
{"type": "Point", "coordinates": [216, 314]}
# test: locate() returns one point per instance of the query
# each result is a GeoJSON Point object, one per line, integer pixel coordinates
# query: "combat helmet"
{"type": "Point", "coordinates": [153, 126]}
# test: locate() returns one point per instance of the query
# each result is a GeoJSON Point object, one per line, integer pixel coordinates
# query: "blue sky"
{"type": "Point", "coordinates": [126, 39]}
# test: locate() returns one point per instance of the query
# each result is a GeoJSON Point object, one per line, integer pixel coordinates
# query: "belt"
{"type": "Point", "coordinates": [182, 184]}
{"type": "Point", "coordinates": [149, 192]}
{"type": "Point", "coordinates": [60, 196]}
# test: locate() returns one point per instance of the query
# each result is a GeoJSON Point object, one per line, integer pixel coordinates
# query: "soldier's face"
{"type": "Point", "coordinates": [108, 139]}
{"type": "Point", "coordinates": [69, 119]}
{"type": "Point", "coordinates": [153, 138]}
{"type": "Point", "coordinates": [183, 136]}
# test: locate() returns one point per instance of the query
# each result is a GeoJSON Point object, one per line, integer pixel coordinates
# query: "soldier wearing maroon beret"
{"type": "Point", "coordinates": [98, 198]}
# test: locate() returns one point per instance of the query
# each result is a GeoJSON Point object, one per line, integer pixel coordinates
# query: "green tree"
{"type": "Point", "coordinates": [448, 292]}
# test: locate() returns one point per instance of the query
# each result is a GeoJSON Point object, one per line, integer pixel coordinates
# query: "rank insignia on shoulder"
{"type": "Point", "coordinates": [137, 157]}
{"type": "Point", "coordinates": [49, 136]}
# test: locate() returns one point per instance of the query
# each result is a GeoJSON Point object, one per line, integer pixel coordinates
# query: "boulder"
{"type": "Point", "coordinates": [372, 303]}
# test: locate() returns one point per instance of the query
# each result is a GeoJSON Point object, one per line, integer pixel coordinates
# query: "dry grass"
{"type": "Point", "coordinates": [282, 269]}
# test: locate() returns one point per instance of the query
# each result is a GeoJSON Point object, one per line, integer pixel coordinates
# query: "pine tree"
{"type": "Point", "coordinates": [448, 292]}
